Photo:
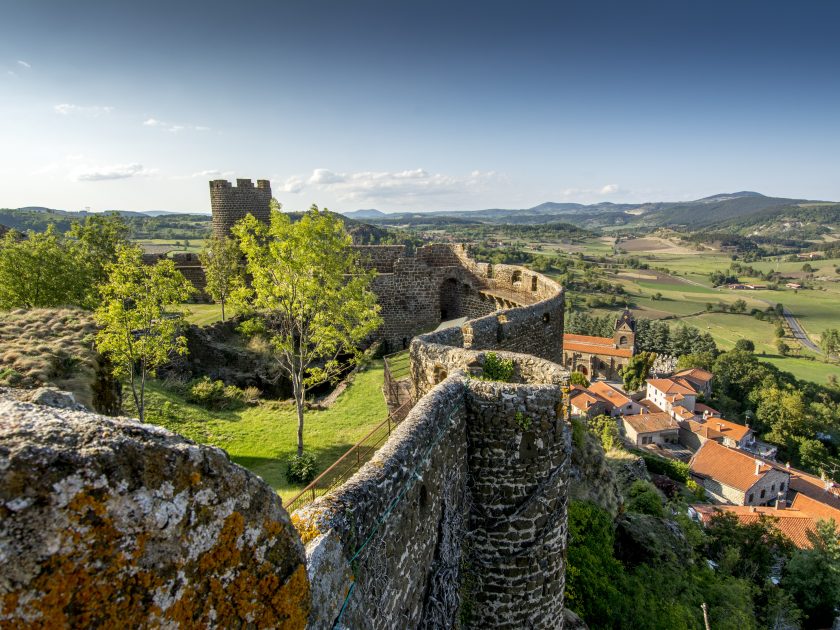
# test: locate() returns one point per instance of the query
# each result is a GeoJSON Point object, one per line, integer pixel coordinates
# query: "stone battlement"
{"type": "Point", "coordinates": [229, 204]}
{"type": "Point", "coordinates": [465, 505]}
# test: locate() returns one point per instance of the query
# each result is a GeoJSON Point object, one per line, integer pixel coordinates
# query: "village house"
{"type": "Point", "coordinates": [623, 405]}
{"type": "Point", "coordinates": [650, 428]}
{"type": "Point", "coordinates": [795, 522]}
{"type": "Point", "coordinates": [587, 404]}
{"type": "Point", "coordinates": [695, 433]}
{"type": "Point", "coordinates": [601, 357]}
{"type": "Point", "coordinates": [732, 476]}
{"type": "Point", "coordinates": [669, 394]}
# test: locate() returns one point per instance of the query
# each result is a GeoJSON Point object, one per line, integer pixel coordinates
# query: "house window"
{"type": "Point", "coordinates": [773, 488]}
{"type": "Point", "coordinates": [646, 440]}
{"type": "Point", "coordinates": [782, 487]}
{"type": "Point", "coordinates": [762, 493]}
{"type": "Point", "coordinates": [751, 498]}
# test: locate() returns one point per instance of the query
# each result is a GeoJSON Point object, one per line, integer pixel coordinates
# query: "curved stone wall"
{"type": "Point", "coordinates": [461, 516]}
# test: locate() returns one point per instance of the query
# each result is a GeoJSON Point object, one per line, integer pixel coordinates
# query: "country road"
{"type": "Point", "coordinates": [799, 332]}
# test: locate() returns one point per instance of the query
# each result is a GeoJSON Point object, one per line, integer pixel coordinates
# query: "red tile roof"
{"type": "Point", "coordinates": [670, 386]}
{"type": "Point", "coordinates": [700, 408]}
{"type": "Point", "coordinates": [592, 348]}
{"type": "Point", "coordinates": [715, 427]}
{"type": "Point", "coordinates": [651, 422]}
{"type": "Point", "coordinates": [804, 503]}
{"type": "Point", "coordinates": [612, 394]}
{"type": "Point", "coordinates": [728, 466]}
{"type": "Point", "coordinates": [696, 374]}
{"type": "Point", "coordinates": [603, 341]}
{"type": "Point", "coordinates": [793, 523]}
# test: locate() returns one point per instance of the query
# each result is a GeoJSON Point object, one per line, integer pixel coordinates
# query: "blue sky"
{"type": "Point", "coordinates": [416, 106]}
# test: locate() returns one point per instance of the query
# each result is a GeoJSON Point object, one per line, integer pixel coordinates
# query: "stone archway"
{"type": "Point", "coordinates": [451, 304]}
{"type": "Point", "coordinates": [582, 369]}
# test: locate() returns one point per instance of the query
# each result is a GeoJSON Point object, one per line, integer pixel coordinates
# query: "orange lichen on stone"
{"type": "Point", "coordinates": [308, 529]}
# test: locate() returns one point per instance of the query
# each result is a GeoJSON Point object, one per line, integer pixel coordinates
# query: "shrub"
{"type": "Point", "coordinates": [678, 471]}
{"type": "Point", "coordinates": [578, 433]}
{"type": "Point", "coordinates": [496, 368]}
{"type": "Point", "coordinates": [301, 468]}
{"type": "Point", "coordinates": [696, 489]}
{"type": "Point", "coordinates": [216, 395]}
{"type": "Point", "coordinates": [644, 499]}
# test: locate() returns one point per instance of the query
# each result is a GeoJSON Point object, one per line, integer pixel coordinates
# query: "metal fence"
{"type": "Point", "coordinates": [397, 368]}
{"type": "Point", "coordinates": [350, 462]}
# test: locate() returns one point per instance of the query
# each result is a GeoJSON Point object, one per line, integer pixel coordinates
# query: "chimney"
{"type": "Point", "coordinates": [720, 426]}
{"type": "Point", "coordinates": [781, 503]}
{"type": "Point", "coordinates": [757, 466]}
{"type": "Point", "coordinates": [787, 465]}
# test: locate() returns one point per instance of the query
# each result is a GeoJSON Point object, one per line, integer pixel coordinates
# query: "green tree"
{"type": "Point", "coordinates": [309, 282]}
{"type": "Point", "coordinates": [702, 360]}
{"type": "Point", "coordinates": [38, 271]}
{"type": "Point", "coordinates": [745, 344]}
{"type": "Point", "coordinates": [739, 306]}
{"type": "Point", "coordinates": [222, 262]}
{"type": "Point", "coordinates": [830, 341]}
{"type": "Point", "coordinates": [139, 325]}
{"type": "Point", "coordinates": [782, 347]}
{"type": "Point", "coordinates": [637, 370]}
{"type": "Point", "coordinates": [812, 576]}
{"type": "Point", "coordinates": [605, 428]}
{"type": "Point", "coordinates": [644, 498]}
{"type": "Point", "coordinates": [94, 244]}
{"type": "Point", "coordinates": [577, 378]}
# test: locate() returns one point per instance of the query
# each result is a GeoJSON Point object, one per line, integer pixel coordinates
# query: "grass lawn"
{"type": "Point", "coordinates": [194, 246]}
{"type": "Point", "coordinates": [262, 438]}
{"type": "Point", "coordinates": [205, 314]}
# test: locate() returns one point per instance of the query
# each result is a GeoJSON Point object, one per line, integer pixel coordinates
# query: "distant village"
{"type": "Point", "coordinates": [738, 472]}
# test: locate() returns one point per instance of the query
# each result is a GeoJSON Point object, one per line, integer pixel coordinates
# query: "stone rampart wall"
{"type": "Point", "coordinates": [462, 514]}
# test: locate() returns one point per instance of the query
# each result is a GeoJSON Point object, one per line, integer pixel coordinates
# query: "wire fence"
{"type": "Point", "coordinates": [397, 371]}
{"type": "Point", "coordinates": [347, 465]}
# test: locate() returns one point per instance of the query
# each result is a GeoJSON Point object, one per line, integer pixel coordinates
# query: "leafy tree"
{"type": "Point", "coordinates": [38, 271]}
{"type": "Point", "coordinates": [745, 344]}
{"type": "Point", "coordinates": [94, 246]}
{"type": "Point", "coordinates": [812, 576]}
{"type": "Point", "coordinates": [785, 412]}
{"type": "Point", "coordinates": [139, 326]}
{"type": "Point", "coordinates": [605, 428]}
{"type": "Point", "coordinates": [577, 378]}
{"type": "Point", "coordinates": [780, 330]}
{"type": "Point", "coordinates": [702, 360]}
{"type": "Point", "coordinates": [637, 370]}
{"type": "Point", "coordinates": [222, 262]}
{"type": "Point", "coordinates": [830, 341]}
{"type": "Point", "coordinates": [308, 281]}
{"type": "Point", "coordinates": [739, 306]}
{"type": "Point", "coordinates": [782, 347]}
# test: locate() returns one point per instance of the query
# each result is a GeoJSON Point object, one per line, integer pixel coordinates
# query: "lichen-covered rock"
{"type": "Point", "coordinates": [640, 538]}
{"type": "Point", "coordinates": [109, 522]}
{"type": "Point", "coordinates": [591, 476]}
{"type": "Point", "coordinates": [53, 397]}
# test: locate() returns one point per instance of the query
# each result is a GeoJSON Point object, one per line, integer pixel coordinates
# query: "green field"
{"type": "Point", "coordinates": [159, 245]}
{"type": "Point", "coordinates": [681, 280]}
{"type": "Point", "coordinates": [204, 314]}
{"type": "Point", "coordinates": [262, 438]}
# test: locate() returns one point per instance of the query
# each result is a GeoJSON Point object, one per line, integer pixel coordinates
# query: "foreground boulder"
{"type": "Point", "coordinates": [109, 522]}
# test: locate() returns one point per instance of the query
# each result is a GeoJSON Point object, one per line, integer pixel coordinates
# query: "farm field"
{"type": "Point", "coordinates": [164, 245]}
{"type": "Point", "coordinates": [262, 438]}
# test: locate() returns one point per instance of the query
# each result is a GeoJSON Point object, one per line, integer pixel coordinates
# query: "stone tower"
{"type": "Point", "coordinates": [625, 330]}
{"type": "Point", "coordinates": [229, 204]}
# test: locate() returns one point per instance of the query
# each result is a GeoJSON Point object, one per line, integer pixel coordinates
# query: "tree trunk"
{"type": "Point", "coordinates": [299, 392]}
{"type": "Point", "coordinates": [223, 309]}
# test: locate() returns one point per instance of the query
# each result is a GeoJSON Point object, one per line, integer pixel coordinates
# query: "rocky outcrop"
{"type": "Point", "coordinates": [109, 522]}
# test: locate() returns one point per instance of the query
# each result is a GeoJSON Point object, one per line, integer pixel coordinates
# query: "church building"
{"type": "Point", "coordinates": [601, 357]}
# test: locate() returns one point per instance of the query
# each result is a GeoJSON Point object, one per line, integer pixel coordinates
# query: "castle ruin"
{"type": "Point", "coordinates": [229, 203]}
{"type": "Point", "coordinates": [459, 519]}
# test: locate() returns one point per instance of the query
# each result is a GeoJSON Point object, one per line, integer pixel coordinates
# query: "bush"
{"type": "Point", "coordinates": [644, 499]}
{"type": "Point", "coordinates": [678, 471]}
{"type": "Point", "coordinates": [301, 468]}
{"type": "Point", "coordinates": [497, 369]}
{"type": "Point", "coordinates": [696, 489]}
{"type": "Point", "coordinates": [218, 396]}
{"type": "Point", "coordinates": [578, 433]}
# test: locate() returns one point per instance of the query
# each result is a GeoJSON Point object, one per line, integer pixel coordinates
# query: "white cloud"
{"type": "Point", "coordinates": [12, 74]}
{"type": "Point", "coordinates": [609, 189]}
{"type": "Point", "coordinates": [115, 171]}
{"type": "Point", "coordinates": [376, 185]}
{"type": "Point", "coordinates": [325, 176]}
{"type": "Point", "coordinates": [24, 64]}
{"type": "Point", "coordinates": [294, 184]}
{"type": "Point", "coordinates": [93, 111]}
{"type": "Point", "coordinates": [154, 122]}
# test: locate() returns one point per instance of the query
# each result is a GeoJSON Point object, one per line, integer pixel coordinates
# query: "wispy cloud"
{"type": "Point", "coordinates": [376, 185]}
{"type": "Point", "coordinates": [114, 171]}
{"type": "Point", "coordinates": [91, 111]}
{"type": "Point", "coordinates": [155, 122]}
{"type": "Point", "coordinates": [24, 64]}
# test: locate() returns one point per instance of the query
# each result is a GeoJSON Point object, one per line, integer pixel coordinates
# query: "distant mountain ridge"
{"type": "Point", "coordinates": [722, 207]}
